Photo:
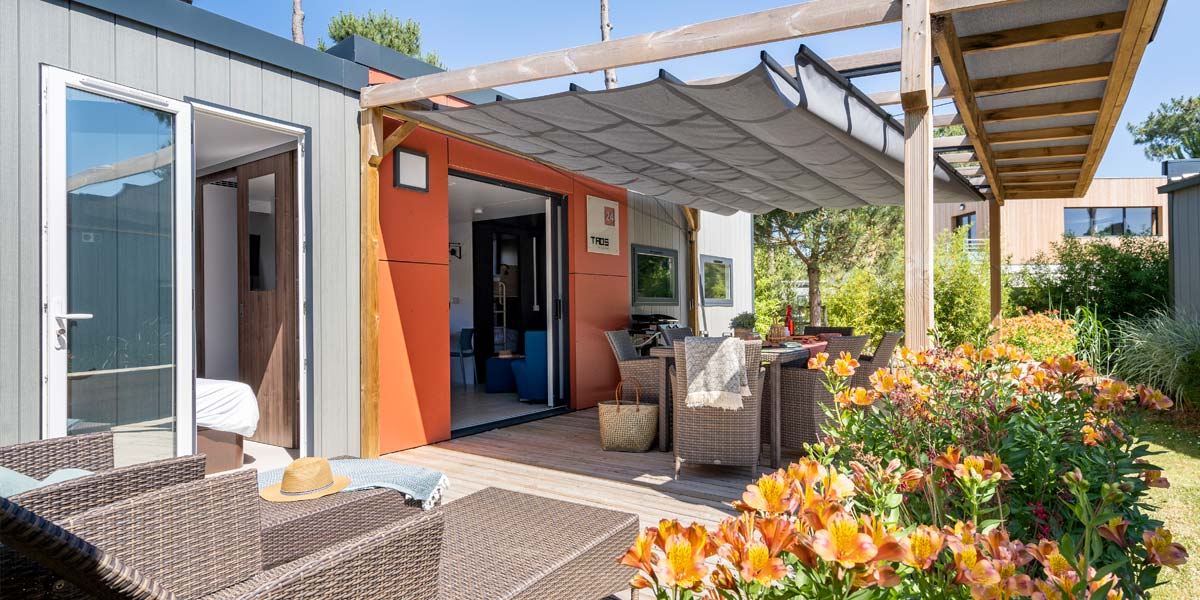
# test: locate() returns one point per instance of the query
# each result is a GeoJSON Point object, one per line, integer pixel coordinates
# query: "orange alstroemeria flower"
{"type": "Point", "coordinates": [922, 546]}
{"type": "Point", "coordinates": [836, 486]}
{"type": "Point", "coordinates": [1154, 478]}
{"type": "Point", "coordinates": [857, 396]}
{"type": "Point", "coordinates": [845, 365]}
{"type": "Point", "coordinates": [819, 361]}
{"type": "Point", "coordinates": [760, 566]}
{"type": "Point", "coordinates": [982, 468]}
{"type": "Point", "coordinates": [641, 554]}
{"type": "Point", "coordinates": [972, 569]}
{"type": "Point", "coordinates": [1152, 398]}
{"type": "Point", "coordinates": [842, 542]}
{"type": "Point", "coordinates": [778, 533]}
{"type": "Point", "coordinates": [806, 472]}
{"type": "Point", "coordinates": [1160, 550]}
{"type": "Point", "coordinates": [887, 547]}
{"type": "Point", "coordinates": [1114, 531]}
{"type": "Point", "coordinates": [683, 565]}
{"type": "Point", "coordinates": [773, 494]}
{"type": "Point", "coordinates": [949, 459]}
{"type": "Point", "coordinates": [883, 381]}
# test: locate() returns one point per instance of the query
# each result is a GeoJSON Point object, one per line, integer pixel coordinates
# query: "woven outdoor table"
{"type": "Point", "coordinates": [773, 358]}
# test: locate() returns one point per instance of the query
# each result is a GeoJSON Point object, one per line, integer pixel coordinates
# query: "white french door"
{"type": "Point", "coordinates": [117, 265]}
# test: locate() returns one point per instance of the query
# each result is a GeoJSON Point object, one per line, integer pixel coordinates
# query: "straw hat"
{"type": "Point", "coordinates": [305, 479]}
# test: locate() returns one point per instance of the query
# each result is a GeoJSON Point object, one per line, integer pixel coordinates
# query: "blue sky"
{"type": "Point", "coordinates": [473, 32]}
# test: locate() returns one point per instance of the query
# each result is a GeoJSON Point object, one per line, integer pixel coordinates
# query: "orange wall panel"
{"type": "Point", "coordinates": [465, 156]}
{"type": "Point", "coordinates": [598, 303]}
{"type": "Point", "coordinates": [582, 261]}
{"type": "Point", "coordinates": [414, 346]}
{"type": "Point", "coordinates": [415, 226]}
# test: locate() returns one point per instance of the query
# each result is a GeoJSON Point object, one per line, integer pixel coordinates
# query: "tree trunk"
{"type": "Point", "coordinates": [610, 75]}
{"type": "Point", "coordinates": [816, 313]}
{"type": "Point", "coordinates": [297, 22]}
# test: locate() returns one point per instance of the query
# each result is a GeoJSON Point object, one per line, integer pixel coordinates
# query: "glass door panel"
{"type": "Point", "coordinates": [118, 228]}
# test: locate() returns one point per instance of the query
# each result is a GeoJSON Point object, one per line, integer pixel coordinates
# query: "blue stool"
{"type": "Point", "coordinates": [500, 375]}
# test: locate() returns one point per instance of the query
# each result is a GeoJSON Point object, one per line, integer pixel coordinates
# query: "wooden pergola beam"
{"type": "Point", "coordinates": [1047, 152]}
{"type": "Point", "coordinates": [945, 38]}
{"type": "Point", "coordinates": [916, 73]}
{"type": "Point", "coordinates": [1041, 79]}
{"type": "Point", "coordinates": [1035, 179]}
{"type": "Point", "coordinates": [1039, 111]}
{"type": "Point", "coordinates": [951, 141]}
{"type": "Point", "coordinates": [974, 171]}
{"type": "Point", "coordinates": [1041, 135]}
{"type": "Point", "coordinates": [1042, 167]}
{"type": "Point", "coordinates": [959, 157]}
{"type": "Point", "coordinates": [947, 120]}
{"type": "Point", "coordinates": [1040, 194]}
{"type": "Point", "coordinates": [1140, 20]}
{"type": "Point", "coordinates": [896, 96]}
{"type": "Point", "coordinates": [370, 154]}
{"type": "Point", "coordinates": [1044, 33]}
{"type": "Point", "coordinates": [752, 29]}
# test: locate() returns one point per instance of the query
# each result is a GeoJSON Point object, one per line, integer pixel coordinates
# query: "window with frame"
{"type": "Point", "coordinates": [1110, 221]}
{"type": "Point", "coordinates": [969, 221]}
{"type": "Point", "coordinates": [655, 275]}
{"type": "Point", "coordinates": [716, 277]}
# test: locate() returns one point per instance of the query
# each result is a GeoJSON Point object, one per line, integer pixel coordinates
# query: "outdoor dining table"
{"type": "Point", "coordinates": [774, 358]}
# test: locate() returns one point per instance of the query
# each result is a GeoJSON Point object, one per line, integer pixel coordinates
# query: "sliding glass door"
{"type": "Point", "coordinates": [117, 264]}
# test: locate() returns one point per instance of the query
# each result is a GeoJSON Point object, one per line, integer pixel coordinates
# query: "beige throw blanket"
{"type": "Point", "coordinates": [716, 372]}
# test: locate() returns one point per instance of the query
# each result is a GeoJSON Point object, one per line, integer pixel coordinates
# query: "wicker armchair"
{"type": "Point", "coordinates": [642, 369]}
{"type": "Point", "coordinates": [802, 394]}
{"type": "Point", "coordinates": [814, 330]}
{"type": "Point", "coordinates": [203, 540]}
{"type": "Point", "coordinates": [715, 436]}
{"type": "Point", "coordinates": [878, 360]}
{"type": "Point", "coordinates": [93, 452]}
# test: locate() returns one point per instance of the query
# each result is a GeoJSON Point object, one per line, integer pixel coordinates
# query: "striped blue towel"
{"type": "Point", "coordinates": [416, 483]}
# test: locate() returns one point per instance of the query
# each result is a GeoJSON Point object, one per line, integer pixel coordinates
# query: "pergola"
{"type": "Point", "coordinates": [1038, 85]}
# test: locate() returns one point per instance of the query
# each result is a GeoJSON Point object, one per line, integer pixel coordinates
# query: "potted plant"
{"type": "Point", "coordinates": [743, 326]}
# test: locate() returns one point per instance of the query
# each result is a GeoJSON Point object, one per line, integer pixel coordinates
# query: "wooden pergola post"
{"type": "Point", "coordinates": [371, 153]}
{"type": "Point", "coordinates": [994, 255]}
{"type": "Point", "coordinates": [692, 216]}
{"type": "Point", "coordinates": [916, 69]}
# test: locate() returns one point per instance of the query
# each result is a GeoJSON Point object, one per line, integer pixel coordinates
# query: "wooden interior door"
{"type": "Point", "coordinates": [268, 295]}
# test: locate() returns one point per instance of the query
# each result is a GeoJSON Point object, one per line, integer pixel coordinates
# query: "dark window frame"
{"type": "Point", "coordinates": [705, 259]}
{"type": "Point", "coordinates": [635, 250]}
{"type": "Point", "coordinates": [1155, 220]}
{"type": "Point", "coordinates": [956, 224]}
{"type": "Point", "coordinates": [396, 170]}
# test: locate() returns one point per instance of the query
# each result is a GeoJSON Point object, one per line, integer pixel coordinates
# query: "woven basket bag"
{"type": "Point", "coordinates": [628, 428]}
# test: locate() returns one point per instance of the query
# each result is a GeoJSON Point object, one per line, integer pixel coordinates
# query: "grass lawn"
{"type": "Point", "coordinates": [1179, 506]}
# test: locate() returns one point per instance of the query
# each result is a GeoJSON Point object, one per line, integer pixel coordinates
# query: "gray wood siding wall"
{"type": "Point", "coordinates": [74, 37]}
{"type": "Point", "coordinates": [1185, 249]}
{"type": "Point", "coordinates": [661, 224]}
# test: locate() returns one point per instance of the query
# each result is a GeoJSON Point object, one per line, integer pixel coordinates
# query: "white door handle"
{"type": "Point", "coordinates": [60, 334]}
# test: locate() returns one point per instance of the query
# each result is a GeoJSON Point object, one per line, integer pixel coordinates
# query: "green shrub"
{"type": "Point", "coordinates": [1043, 335]}
{"type": "Point", "coordinates": [871, 297]}
{"type": "Point", "coordinates": [1129, 277]}
{"type": "Point", "coordinates": [776, 272]}
{"type": "Point", "coordinates": [1161, 350]}
{"type": "Point", "coordinates": [1094, 340]}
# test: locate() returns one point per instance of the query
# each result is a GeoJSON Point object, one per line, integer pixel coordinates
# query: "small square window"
{"type": "Point", "coordinates": [410, 170]}
{"type": "Point", "coordinates": [716, 277]}
{"type": "Point", "coordinates": [655, 273]}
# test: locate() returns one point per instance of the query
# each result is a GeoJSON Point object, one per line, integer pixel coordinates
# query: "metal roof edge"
{"type": "Point", "coordinates": [195, 23]}
{"type": "Point", "coordinates": [376, 56]}
{"type": "Point", "coordinates": [1181, 183]}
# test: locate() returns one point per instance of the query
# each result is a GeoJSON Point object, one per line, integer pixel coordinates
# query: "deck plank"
{"type": "Point", "coordinates": [560, 457]}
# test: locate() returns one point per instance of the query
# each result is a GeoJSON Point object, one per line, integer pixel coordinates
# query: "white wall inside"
{"type": "Point", "coordinates": [220, 283]}
{"type": "Point", "coordinates": [462, 300]}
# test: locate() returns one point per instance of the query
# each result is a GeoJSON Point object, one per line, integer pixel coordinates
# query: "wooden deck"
{"type": "Point", "coordinates": [560, 457]}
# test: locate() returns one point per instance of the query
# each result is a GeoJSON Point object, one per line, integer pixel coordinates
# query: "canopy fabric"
{"type": "Point", "coordinates": [764, 140]}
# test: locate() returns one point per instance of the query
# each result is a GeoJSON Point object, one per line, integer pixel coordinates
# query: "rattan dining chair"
{"type": "Point", "coordinates": [715, 436]}
{"type": "Point", "coordinates": [644, 370]}
{"type": "Point", "coordinates": [877, 360]}
{"type": "Point", "coordinates": [802, 394]}
{"type": "Point", "coordinates": [676, 334]}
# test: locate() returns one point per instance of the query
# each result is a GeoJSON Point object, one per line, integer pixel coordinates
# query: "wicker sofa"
{"type": "Point", "coordinates": [108, 484]}
{"type": "Point", "coordinates": [210, 538]}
